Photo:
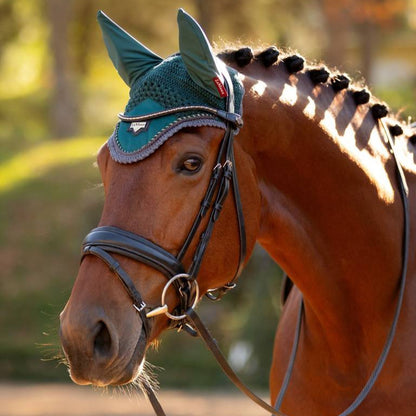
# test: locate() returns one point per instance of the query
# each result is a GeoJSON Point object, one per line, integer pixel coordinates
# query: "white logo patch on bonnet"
{"type": "Point", "coordinates": [137, 126]}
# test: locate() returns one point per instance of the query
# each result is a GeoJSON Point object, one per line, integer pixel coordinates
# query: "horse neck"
{"type": "Point", "coordinates": [330, 214]}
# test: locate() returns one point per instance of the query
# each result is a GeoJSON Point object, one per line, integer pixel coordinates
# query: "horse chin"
{"type": "Point", "coordinates": [131, 373]}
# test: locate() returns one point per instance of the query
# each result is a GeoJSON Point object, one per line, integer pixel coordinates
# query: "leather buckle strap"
{"type": "Point", "coordinates": [216, 210]}
{"type": "Point", "coordinates": [205, 205]}
{"type": "Point", "coordinates": [128, 284]}
{"type": "Point", "coordinates": [102, 241]}
{"type": "Point", "coordinates": [212, 345]}
{"type": "Point", "coordinates": [403, 191]}
{"type": "Point", "coordinates": [116, 240]}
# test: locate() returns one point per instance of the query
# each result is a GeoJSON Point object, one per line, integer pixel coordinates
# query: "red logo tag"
{"type": "Point", "coordinates": [220, 87]}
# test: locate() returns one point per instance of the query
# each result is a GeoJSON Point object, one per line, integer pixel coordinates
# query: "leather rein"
{"type": "Point", "coordinates": [104, 241]}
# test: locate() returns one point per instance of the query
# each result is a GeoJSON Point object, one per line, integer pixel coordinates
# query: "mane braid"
{"type": "Point", "coordinates": [379, 110]}
{"type": "Point", "coordinates": [396, 130]}
{"type": "Point", "coordinates": [294, 63]}
{"type": "Point", "coordinates": [242, 57]}
{"type": "Point", "coordinates": [361, 97]}
{"type": "Point", "coordinates": [318, 76]}
{"type": "Point", "coordinates": [269, 56]}
{"type": "Point", "coordinates": [340, 82]}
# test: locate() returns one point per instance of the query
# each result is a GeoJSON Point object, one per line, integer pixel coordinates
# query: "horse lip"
{"type": "Point", "coordinates": [130, 373]}
{"type": "Point", "coordinates": [135, 365]}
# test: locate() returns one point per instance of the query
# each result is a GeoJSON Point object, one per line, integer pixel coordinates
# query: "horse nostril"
{"type": "Point", "coordinates": [102, 341]}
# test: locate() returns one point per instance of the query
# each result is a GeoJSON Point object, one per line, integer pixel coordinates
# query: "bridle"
{"type": "Point", "coordinates": [104, 241]}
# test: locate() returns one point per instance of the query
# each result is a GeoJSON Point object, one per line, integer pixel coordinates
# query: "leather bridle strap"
{"type": "Point", "coordinates": [102, 241]}
{"type": "Point", "coordinates": [403, 191]}
{"type": "Point", "coordinates": [223, 175]}
{"type": "Point", "coordinates": [125, 243]}
{"type": "Point", "coordinates": [206, 203]}
{"type": "Point", "coordinates": [151, 395]}
{"type": "Point", "coordinates": [115, 267]}
{"type": "Point", "coordinates": [224, 184]}
{"type": "Point", "coordinates": [212, 345]}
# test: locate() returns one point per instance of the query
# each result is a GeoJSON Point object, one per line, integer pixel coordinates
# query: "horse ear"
{"type": "Point", "coordinates": [196, 52]}
{"type": "Point", "coordinates": [131, 59]}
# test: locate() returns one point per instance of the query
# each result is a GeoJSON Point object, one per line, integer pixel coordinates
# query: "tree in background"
{"type": "Point", "coordinates": [9, 24]}
{"type": "Point", "coordinates": [65, 100]}
{"type": "Point", "coordinates": [366, 20]}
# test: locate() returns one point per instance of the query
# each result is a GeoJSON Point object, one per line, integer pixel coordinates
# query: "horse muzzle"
{"type": "Point", "coordinates": [98, 351]}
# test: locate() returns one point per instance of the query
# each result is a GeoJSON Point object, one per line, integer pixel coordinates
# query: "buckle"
{"type": "Point", "coordinates": [235, 119]}
{"type": "Point", "coordinates": [217, 294]}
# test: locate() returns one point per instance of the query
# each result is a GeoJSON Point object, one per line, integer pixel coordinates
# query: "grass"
{"type": "Point", "coordinates": [401, 100]}
{"type": "Point", "coordinates": [41, 158]}
{"type": "Point", "coordinates": [49, 198]}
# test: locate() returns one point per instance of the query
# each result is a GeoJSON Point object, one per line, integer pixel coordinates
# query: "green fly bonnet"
{"type": "Point", "coordinates": [193, 78]}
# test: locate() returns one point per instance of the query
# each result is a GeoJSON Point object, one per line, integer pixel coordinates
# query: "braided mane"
{"type": "Point", "coordinates": [320, 74]}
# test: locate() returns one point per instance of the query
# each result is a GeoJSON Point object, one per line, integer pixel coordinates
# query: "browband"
{"type": "Point", "coordinates": [233, 118]}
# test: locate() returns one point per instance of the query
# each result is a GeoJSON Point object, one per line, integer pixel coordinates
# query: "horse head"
{"type": "Point", "coordinates": [166, 172]}
{"type": "Point", "coordinates": [314, 176]}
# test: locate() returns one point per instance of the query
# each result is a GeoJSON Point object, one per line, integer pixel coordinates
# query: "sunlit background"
{"type": "Point", "coordinates": [59, 96]}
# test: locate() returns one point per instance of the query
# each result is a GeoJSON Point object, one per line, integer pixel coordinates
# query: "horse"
{"type": "Point", "coordinates": [313, 181]}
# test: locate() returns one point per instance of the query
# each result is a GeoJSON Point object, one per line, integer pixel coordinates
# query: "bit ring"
{"type": "Point", "coordinates": [164, 308]}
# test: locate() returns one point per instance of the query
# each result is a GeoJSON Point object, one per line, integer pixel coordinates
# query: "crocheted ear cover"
{"type": "Point", "coordinates": [190, 78]}
{"type": "Point", "coordinates": [166, 86]}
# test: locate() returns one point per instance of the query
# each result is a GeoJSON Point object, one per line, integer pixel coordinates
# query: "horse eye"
{"type": "Point", "coordinates": [191, 165]}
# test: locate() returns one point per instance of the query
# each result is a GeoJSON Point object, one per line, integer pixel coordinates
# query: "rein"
{"type": "Point", "coordinates": [103, 241]}
{"type": "Point", "coordinates": [403, 191]}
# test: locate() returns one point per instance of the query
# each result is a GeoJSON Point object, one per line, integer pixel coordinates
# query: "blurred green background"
{"type": "Point", "coordinates": [59, 96]}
